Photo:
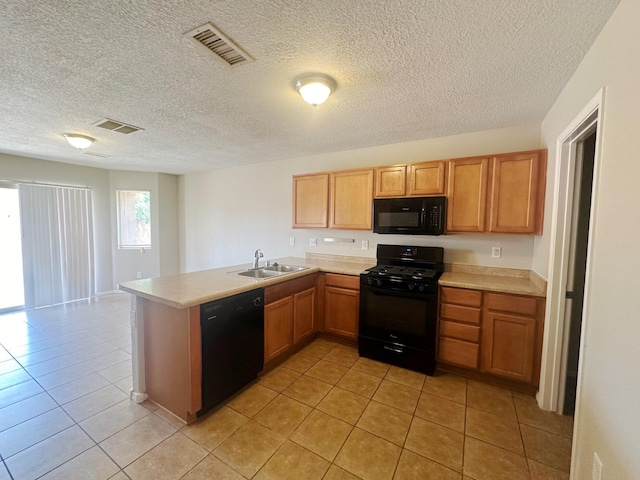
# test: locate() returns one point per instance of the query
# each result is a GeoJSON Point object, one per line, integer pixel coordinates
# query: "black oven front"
{"type": "Point", "coordinates": [398, 326]}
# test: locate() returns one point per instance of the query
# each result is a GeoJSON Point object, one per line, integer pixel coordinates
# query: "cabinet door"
{"type": "Point", "coordinates": [467, 194]}
{"type": "Point", "coordinates": [341, 311]}
{"type": "Point", "coordinates": [278, 327]}
{"type": "Point", "coordinates": [310, 201]}
{"type": "Point", "coordinates": [303, 314]}
{"type": "Point", "coordinates": [426, 178]}
{"type": "Point", "coordinates": [351, 199]}
{"type": "Point", "coordinates": [508, 345]}
{"type": "Point", "coordinates": [458, 352]}
{"type": "Point", "coordinates": [517, 193]}
{"type": "Point", "coordinates": [391, 181]}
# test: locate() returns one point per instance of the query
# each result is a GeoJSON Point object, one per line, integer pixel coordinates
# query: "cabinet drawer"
{"type": "Point", "coordinates": [458, 352]}
{"type": "Point", "coordinates": [343, 281]}
{"type": "Point", "coordinates": [460, 331]}
{"type": "Point", "coordinates": [461, 296]}
{"type": "Point", "coordinates": [512, 303]}
{"type": "Point", "coordinates": [284, 289]}
{"type": "Point", "coordinates": [463, 314]}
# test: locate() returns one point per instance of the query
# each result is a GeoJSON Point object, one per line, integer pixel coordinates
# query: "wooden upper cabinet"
{"type": "Point", "coordinates": [311, 201]}
{"type": "Point", "coordinates": [391, 181]}
{"type": "Point", "coordinates": [517, 193]}
{"type": "Point", "coordinates": [426, 178]}
{"type": "Point", "coordinates": [351, 199]}
{"type": "Point", "coordinates": [467, 194]}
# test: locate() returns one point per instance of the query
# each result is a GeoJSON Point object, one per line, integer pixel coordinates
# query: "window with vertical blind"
{"type": "Point", "coordinates": [134, 218]}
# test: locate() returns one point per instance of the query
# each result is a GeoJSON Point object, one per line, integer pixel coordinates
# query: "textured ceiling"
{"type": "Point", "coordinates": [406, 70]}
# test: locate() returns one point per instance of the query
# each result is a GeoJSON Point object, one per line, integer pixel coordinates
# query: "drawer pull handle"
{"type": "Point", "coordinates": [394, 350]}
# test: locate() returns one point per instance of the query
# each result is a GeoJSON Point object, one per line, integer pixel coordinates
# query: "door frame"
{"type": "Point", "coordinates": [554, 351]}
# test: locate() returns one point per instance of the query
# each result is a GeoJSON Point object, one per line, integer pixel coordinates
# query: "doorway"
{"type": "Point", "coordinates": [583, 185]}
{"type": "Point", "coordinates": [11, 273]}
{"type": "Point", "coordinates": [565, 240]}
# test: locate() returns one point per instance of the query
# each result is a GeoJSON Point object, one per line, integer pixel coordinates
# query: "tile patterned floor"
{"type": "Point", "coordinates": [325, 413]}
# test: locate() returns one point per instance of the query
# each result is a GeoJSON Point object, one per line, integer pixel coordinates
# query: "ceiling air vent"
{"type": "Point", "coordinates": [217, 43]}
{"type": "Point", "coordinates": [116, 126]}
{"type": "Point", "coordinates": [95, 154]}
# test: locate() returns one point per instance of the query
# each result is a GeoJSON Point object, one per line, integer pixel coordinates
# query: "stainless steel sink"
{"type": "Point", "coordinates": [258, 273]}
{"type": "Point", "coordinates": [271, 271]}
{"type": "Point", "coordinates": [285, 268]}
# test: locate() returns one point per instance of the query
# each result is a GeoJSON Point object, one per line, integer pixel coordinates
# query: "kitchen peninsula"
{"type": "Point", "coordinates": [165, 313]}
{"type": "Point", "coordinates": [165, 316]}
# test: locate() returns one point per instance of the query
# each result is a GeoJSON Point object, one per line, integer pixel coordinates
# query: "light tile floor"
{"type": "Point", "coordinates": [325, 413]}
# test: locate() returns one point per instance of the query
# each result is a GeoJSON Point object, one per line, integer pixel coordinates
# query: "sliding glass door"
{"type": "Point", "coordinates": [11, 275]}
{"type": "Point", "coordinates": [57, 229]}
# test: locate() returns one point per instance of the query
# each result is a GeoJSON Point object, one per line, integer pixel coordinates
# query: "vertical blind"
{"type": "Point", "coordinates": [57, 244]}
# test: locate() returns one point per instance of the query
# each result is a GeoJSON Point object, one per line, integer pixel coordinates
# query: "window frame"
{"type": "Point", "coordinates": [121, 245]}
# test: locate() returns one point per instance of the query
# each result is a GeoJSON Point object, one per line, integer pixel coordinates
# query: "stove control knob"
{"type": "Point", "coordinates": [421, 288]}
{"type": "Point", "coordinates": [412, 286]}
{"type": "Point", "coordinates": [370, 281]}
{"type": "Point", "coordinates": [379, 282]}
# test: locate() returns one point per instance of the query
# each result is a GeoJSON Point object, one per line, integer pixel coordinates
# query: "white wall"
{"type": "Point", "coordinates": [608, 412]}
{"type": "Point", "coordinates": [168, 206]}
{"type": "Point", "coordinates": [229, 213]}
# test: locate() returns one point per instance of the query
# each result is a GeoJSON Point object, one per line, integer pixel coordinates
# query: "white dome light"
{"type": "Point", "coordinates": [79, 141]}
{"type": "Point", "coordinates": [315, 89]}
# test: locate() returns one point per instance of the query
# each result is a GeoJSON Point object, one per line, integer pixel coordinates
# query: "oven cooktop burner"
{"type": "Point", "coordinates": [407, 273]}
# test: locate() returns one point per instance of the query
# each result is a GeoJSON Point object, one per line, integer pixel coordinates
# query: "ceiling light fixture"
{"type": "Point", "coordinates": [79, 141]}
{"type": "Point", "coordinates": [315, 88]}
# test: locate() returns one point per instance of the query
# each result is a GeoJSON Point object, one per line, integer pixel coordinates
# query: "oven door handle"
{"type": "Point", "coordinates": [398, 293]}
{"type": "Point", "coordinates": [393, 349]}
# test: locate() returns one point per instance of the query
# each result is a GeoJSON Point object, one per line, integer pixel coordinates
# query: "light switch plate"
{"type": "Point", "coordinates": [365, 244]}
{"type": "Point", "coordinates": [496, 252]}
{"type": "Point", "coordinates": [292, 241]}
{"type": "Point", "coordinates": [313, 242]}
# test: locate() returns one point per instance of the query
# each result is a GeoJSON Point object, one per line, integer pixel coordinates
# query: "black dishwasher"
{"type": "Point", "coordinates": [232, 345]}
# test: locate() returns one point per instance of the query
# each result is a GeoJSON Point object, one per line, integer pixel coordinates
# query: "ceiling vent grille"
{"type": "Point", "coordinates": [116, 126]}
{"type": "Point", "coordinates": [95, 154]}
{"type": "Point", "coordinates": [217, 43]}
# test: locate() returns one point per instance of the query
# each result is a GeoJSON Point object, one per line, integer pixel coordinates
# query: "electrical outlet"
{"type": "Point", "coordinates": [292, 241]}
{"type": "Point", "coordinates": [365, 244]}
{"type": "Point", "coordinates": [313, 242]}
{"type": "Point", "coordinates": [596, 473]}
{"type": "Point", "coordinates": [496, 252]}
{"type": "Point", "coordinates": [139, 275]}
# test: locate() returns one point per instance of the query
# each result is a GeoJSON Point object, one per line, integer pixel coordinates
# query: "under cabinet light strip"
{"type": "Point", "coordinates": [338, 240]}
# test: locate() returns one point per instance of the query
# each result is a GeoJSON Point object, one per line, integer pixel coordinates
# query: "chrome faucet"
{"type": "Point", "coordinates": [256, 258]}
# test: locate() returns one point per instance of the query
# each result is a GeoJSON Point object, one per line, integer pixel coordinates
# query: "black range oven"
{"type": "Point", "coordinates": [399, 305]}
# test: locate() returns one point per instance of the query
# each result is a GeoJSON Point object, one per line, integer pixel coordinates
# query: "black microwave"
{"type": "Point", "coordinates": [410, 215]}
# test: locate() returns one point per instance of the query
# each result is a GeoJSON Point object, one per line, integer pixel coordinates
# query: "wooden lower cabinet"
{"type": "Point", "coordinates": [278, 327]}
{"type": "Point", "coordinates": [289, 314]}
{"type": "Point", "coordinates": [342, 305]}
{"type": "Point", "coordinates": [492, 333]}
{"type": "Point", "coordinates": [303, 314]}
{"type": "Point", "coordinates": [508, 345]}
{"type": "Point", "coordinates": [511, 336]}
{"type": "Point", "coordinates": [459, 328]}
